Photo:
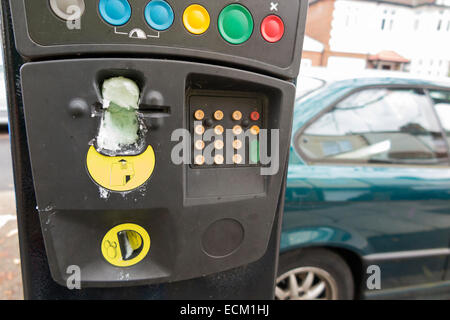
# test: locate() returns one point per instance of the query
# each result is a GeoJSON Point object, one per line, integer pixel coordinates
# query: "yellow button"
{"type": "Point", "coordinates": [218, 130]}
{"type": "Point", "coordinates": [196, 19]}
{"type": "Point", "coordinates": [218, 159]}
{"type": "Point", "coordinates": [199, 160]}
{"type": "Point", "coordinates": [199, 129]}
{"type": "Point", "coordinates": [237, 115]}
{"type": "Point", "coordinates": [199, 145]}
{"type": "Point", "coordinates": [254, 130]}
{"type": "Point", "coordinates": [237, 130]}
{"type": "Point", "coordinates": [218, 144]}
{"type": "Point", "coordinates": [199, 115]}
{"type": "Point", "coordinates": [237, 158]}
{"type": "Point", "coordinates": [218, 115]}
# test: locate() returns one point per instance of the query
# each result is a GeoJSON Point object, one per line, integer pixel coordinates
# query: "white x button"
{"type": "Point", "coordinates": [274, 6]}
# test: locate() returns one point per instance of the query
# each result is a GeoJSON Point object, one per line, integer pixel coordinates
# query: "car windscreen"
{"type": "Point", "coordinates": [307, 85]}
{"type": "Point", "coordinates": [441, 99]}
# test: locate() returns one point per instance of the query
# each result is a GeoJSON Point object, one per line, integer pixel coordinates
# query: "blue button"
{"type": "Point", "coordinates": [115, 12]}
{"type": "Point", "coordinates": [159, 15]}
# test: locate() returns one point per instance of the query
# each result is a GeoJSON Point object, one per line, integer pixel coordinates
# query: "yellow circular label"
{"type": "Point", "coordinates": [120, 173]}
{"type": "Point", "coordinates": [196, 19]}
{"type": "Point", "coordinates": [125, 245]}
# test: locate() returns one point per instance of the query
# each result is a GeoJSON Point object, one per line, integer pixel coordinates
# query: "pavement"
{"type": "Point", "coordinates": [10, 276]}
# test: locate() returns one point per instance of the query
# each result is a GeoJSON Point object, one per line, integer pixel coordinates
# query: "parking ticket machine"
{"type": "Point", "coordinates": [150, 142]}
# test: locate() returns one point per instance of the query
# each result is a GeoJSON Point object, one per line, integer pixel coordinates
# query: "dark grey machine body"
{"type": "Point", "coordinates": [59, 205]}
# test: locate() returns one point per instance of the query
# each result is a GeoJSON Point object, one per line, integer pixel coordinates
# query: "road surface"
{"type": "Point", "coordinates": [10, 277]}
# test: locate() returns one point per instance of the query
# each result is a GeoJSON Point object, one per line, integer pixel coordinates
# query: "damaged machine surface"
{"type": "Point", "coordinates": [122, 128]}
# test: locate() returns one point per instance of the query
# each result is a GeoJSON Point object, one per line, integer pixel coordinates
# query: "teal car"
{"type": "Point", "coordinates": [367, 208]}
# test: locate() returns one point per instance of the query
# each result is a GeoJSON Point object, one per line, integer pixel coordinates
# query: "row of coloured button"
{"type": "Point", "coordinates": [235, 22]}
{"type": "Point", "coordinates": [219, 158]}
{"type": "Point", "coordinates": [219, 115]}
{"type": "Point", "coordinates": [218, 130]}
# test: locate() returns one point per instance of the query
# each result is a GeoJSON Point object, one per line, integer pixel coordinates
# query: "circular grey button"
{"type": "Point", "coordinates": [68, 9]}
{"type": "Point", "coordinates": [222, 238]}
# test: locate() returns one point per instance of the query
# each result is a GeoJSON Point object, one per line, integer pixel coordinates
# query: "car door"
{"type": "Point", "coordinates": [441, 100]}
{"type": "Point", "coordinates": [378, 171]}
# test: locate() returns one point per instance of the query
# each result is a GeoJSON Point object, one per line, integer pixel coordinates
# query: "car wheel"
{"type": "Point", "coordinates": [313, 274]}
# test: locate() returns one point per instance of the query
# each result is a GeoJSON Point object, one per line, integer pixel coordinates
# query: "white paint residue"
{"type": "Point", "coordinates": [129, 250]}
{"type": "Point", "coordinates": [119, 125]}
{"type": "Point", "coordinates": [104, 194]}
{"type": "Point", "coordinates": [124, 276]}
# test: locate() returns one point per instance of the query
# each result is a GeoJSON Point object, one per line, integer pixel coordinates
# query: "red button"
{"type": "Point", "coordinates": [254, 116]}
{"type": "Point", "coordinates": [272, 28]}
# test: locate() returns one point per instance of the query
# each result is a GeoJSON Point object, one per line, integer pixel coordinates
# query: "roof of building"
{"type": "Point", "coordinates": [329, 75]}
{"type": "Point", "coordinates": [389, 56]}
{"type": "Point", "coordinates": [313, 45]}
{"type": "Point", "coordinates": [408, 3]}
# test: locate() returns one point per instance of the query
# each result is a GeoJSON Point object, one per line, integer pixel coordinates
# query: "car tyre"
{"type": "Point", "coordinates": [313, 274]}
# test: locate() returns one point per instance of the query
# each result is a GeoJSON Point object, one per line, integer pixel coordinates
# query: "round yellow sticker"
{"type": "Point", "coordinates": [120, 173]}
{"type": "Point", "coordinates": [125, 245]}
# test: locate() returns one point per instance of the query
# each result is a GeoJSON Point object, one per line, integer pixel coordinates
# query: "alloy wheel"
{"type": "Point", "coordinates": [306, 283]}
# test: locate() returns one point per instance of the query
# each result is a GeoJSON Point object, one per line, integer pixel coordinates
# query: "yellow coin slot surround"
{"type": "Point", "coordinates": [196, 19]}
{"type": "Point", "coordinates": [138, 239]}
{"type": "Point", "coordinates": [120, 173]}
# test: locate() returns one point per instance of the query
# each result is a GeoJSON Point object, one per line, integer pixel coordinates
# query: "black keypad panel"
{"type": "Point", "coordinates": [225, 130]}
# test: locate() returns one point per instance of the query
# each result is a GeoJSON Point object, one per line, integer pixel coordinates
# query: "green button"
{"type": "Point", "coordinates": [235, 24]}
{"type": "Point", "coordinates": [254, 151]}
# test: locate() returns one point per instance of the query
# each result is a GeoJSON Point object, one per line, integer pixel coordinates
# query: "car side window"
{"type": "Point", "coordinates": [377, 125]}
{"type": "Point", "coordinates": [441, 101]}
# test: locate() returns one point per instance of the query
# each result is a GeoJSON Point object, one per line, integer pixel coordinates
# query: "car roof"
{"type": "Point", "coordinates": [370, 77]}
